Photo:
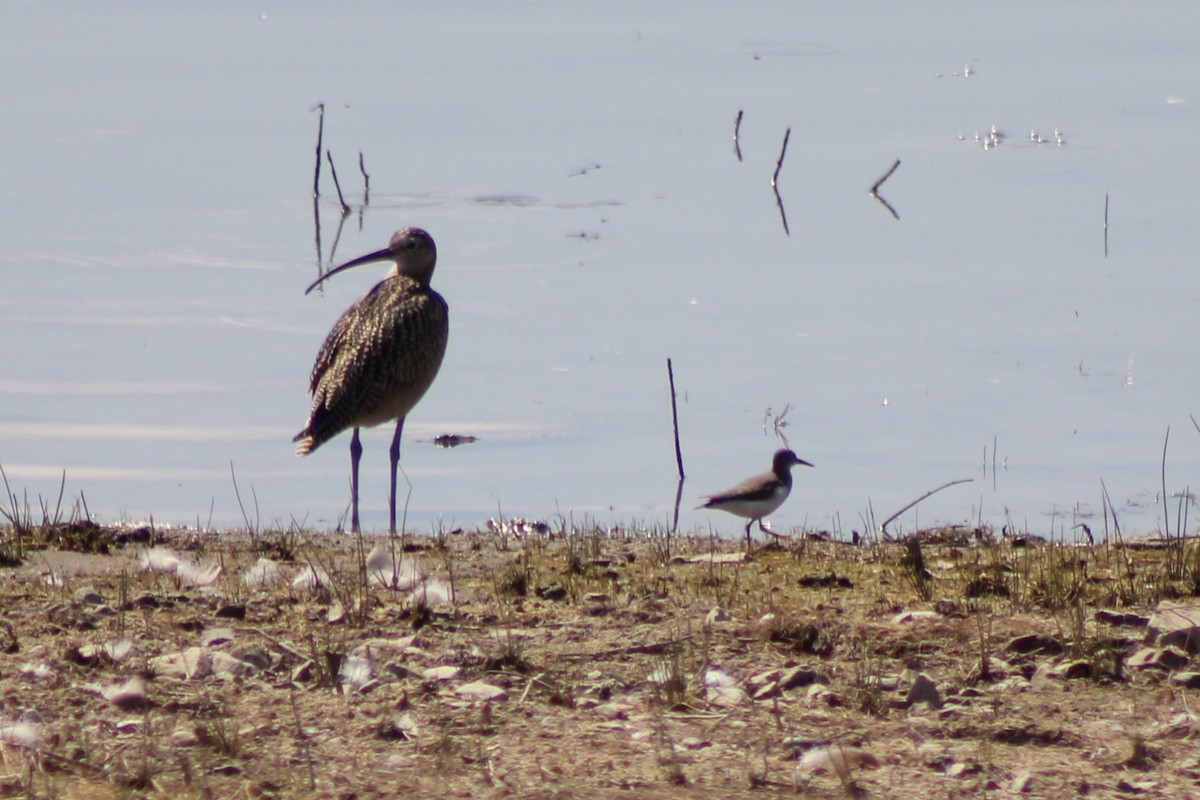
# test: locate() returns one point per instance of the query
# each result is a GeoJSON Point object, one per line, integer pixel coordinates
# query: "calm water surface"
{"type": "Point", "coordinates": [575, 164]}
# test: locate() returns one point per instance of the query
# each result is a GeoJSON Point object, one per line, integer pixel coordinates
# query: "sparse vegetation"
{"type": "Point", "coordinates": [604, 651]}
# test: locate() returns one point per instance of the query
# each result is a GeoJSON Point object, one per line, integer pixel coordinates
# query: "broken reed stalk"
{"type": "Point", "coordinates": [875, 186]}
{"type": "Point", "coordinates": [1163, 477]}
{"type": "Point", "coordinates": [782, 152]}
{"type": "Point", "coordinates": [336, 185]}
{"type": "Point", "coordinates": [1106, 224]}
{"type": "Point", "coordinates": [675, 420]}
{"type": "Point", "coordinates": [366, 179]}
{"type": "Point", "coordinates": [737, 128]}
{"type": "Point", "coordinates": [320, 135]}
{"type": "Point", "coordinates": [930, 493]}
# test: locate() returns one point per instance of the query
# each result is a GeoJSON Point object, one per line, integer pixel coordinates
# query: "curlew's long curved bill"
{"type": "Point", "coordinates": [379, 255]}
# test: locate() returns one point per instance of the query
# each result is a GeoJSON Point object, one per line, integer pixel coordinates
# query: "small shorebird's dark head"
{"type": "Point", "coordinates": [411, 250]}
{"type": "Point", "coordinates": [784, 460]}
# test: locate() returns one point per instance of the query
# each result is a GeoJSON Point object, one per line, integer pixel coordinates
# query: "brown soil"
{"type": "Point", "coordinates": [602, 643]}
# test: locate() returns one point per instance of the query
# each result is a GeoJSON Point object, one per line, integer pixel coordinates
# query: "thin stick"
{"type": "Point", "coordinates": [931, 492]}
{"type": "Point", "coordinates": [320, 109]}
{"type": "Point", "coordinates": [336, 185]}
{"type": "Point", "coordinates": [246, 517]}
{"type": "Point", "coordinates": [1166, 513]}
{"type": "Point", "coordinates": [782, 212]}
{"type": "Point", "coordinates": [675, 419]}
{"type": "Point", "coordinates": [782, 152]}
{"type": "Point", "coordinates": [737, 127]}
{"type": "Point", "coordinates": [874, 190]}
{"type": "Point", "coordinates": [317, 229]}
{"type": "Point", "coordinates": [366, 179]}
{"type": "Point", "coordinates": [678, 500]}
{"type": "Point", "coordinates": [1106, 224]}
{"type": "Point", "coordinates": [302, 738]}
{"type": "Point", "coordinates": [875, 186]}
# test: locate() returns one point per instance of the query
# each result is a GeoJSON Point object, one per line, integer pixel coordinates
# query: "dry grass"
{"type": "Point", "coordinates": [602, 642]}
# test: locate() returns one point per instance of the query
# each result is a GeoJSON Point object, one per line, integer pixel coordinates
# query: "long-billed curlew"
{"type": "Point", "coordinates": [380, 357]}
{"type": "Point", "coordinates": [756, 497]}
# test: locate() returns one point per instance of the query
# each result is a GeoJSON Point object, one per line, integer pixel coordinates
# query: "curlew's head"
{"type": "Point", "coordinates": [411, 251]}
{"type": "Point", "coordinates": [783, 461]}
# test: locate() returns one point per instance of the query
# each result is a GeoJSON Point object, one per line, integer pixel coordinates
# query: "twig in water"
{"type": "Point", "coordinates": [366, 179]}
{"type": "Point", "coordinates": [675, 419]}
{"type": "Point", "coordinates": [874, 192]}
{"type": "Point", "coordinates": [930, 493]}
{"type": "Point", "coordinates": [1106, 224]}
{"type": "Point", "coordinates": [317, 228]}
{"type": "Point", "coordinates": [1166, 511]}
{"type": "Point", "coordinates": [875, 186]}
{"type": "Point", "coordinates": [320, 109]}
{"type": "Point", "coordinates": [737, 127]}
{"type": "Point", "coordinates": [336, 185]}
{"type": "Point", "coordinates": [778, 422]}
{"type": "Point", "coordinates": [782, 152]}
{"type": "Point", "coordinates": [775, 182]}
{"type": "Point", "coordinates": [782, 212]}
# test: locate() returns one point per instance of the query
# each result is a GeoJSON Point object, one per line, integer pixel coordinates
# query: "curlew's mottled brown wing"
{"type": "Point", "coordinates": [378, 360]}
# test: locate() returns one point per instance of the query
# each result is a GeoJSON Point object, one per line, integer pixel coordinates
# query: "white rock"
{"type": "Point", "coordinates": [726, 696]}
{"type": "Point", "coordinates": [443, 673]}
{"type": "Point", "coordinates": [390, 570]}
{"type": "Point", "coordinates": [19, 733]}
{"type": "Point", "coordinates": [118, 649]}
{"type": "Point", "coordinates": [192, 573]}
{"type": "Point", "coordinates": [215, 636]}
{"type": "Point", "coordinates": [37, 671]}
{"type": "Point", "coordinates": [478, 690]}
{"type": "Point", "coordinates": [715, 615]}
{"type": "Point", "coordinates": [836, 759]}
{"type": "Point", "coordinates": [186, 734]}
{"type": "Point", "coordinates": [223, 665]}
{"type": "Point", "coordinates": [714, 677]}
{"type": "Point", "coordinates": [310, 578]}
{"type": "Point", "coordinates": [433, 592]}
{"type": "Point", "coordinates": [190, 664]}
{"type": "Point", "coordinates": [263, 573]}
{"type": "Point", "coordinates": [189, 572]}
{"type": "Point", "coordinates": [357, 672]}
{"type": "Point", "coordinates": [159, 559]}
{"type": "Point", "coordinates": [128, 696]}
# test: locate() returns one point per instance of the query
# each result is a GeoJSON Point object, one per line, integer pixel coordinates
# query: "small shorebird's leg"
{"type": "Point", "coordinates": [748, 524]}
{"type": "Point", "coordinates": [394, 452]}
{"type": "Point", "coordinates": [355, 455]}
{"type": "Point", "coordinates": [769, 532]}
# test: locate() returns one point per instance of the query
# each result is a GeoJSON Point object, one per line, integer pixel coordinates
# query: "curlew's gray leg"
{"type": "Point", "coordinates": [748, 524]}
{"type": "Point", "coordinates": [355, 455]}
{"type": "Point", "coordinates": [394, 452]}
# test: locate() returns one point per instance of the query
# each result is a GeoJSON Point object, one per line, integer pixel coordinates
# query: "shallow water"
{"type": "Point", "coordinates": [576, 166]}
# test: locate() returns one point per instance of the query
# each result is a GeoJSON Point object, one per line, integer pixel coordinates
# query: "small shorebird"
{"type": "Point", "coordinates": [380, 357]}
{"type": "Point", "coordinates": [756, 497]}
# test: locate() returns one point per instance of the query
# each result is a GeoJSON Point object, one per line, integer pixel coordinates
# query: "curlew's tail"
{"type": "Point", "coordinates": [305, 443]}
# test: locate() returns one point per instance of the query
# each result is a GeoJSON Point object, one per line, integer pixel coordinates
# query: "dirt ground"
{"type": "Point", "coordinates": [528, 661]}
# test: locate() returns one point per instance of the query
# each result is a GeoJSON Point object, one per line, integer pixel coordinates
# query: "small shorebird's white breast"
{"type": "Point", "coordinates": [753, 508]}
